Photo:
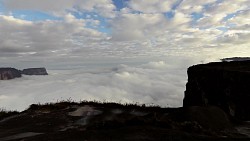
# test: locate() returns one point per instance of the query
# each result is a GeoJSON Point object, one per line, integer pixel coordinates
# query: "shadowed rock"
{"type": "Point", "coordinates": [34, 71]}
{"type": "Point", "coordinates": [9, 73]}
{"type": "Point", "coordinates": [209, 117]}
{"type": "Point", "coordinates": [222, 84]}
{"type": "Point", "coordinates": [113, 122]}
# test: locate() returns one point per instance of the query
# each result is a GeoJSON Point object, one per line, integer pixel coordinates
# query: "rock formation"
{"type": "Point", "coordinates": [222, 84]}
{"type": "Point", "coordinates": [34, 71]}
{"type": "Point", "coordinates": [9, 73]}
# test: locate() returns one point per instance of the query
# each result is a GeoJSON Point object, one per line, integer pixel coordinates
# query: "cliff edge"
{"type": "Point", "coordinates": [222, 84]}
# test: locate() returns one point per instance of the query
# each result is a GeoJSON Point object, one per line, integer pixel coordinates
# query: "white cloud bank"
{"type": "Point", "coordinates": [152, 83]}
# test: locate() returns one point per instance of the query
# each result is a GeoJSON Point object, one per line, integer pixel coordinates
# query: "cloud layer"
{"type": "Point", "coordinates": [158, 83]}
{"type": "Point", "coordinates": [77, 24]}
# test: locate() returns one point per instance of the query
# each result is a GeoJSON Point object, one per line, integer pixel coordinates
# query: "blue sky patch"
{"type": "Point", "coordinates": [30, 15]}
{"type": "Point", "coordinates": [120, 4]}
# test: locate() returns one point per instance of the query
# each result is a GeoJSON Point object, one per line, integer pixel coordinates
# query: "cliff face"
{"type": "Point", "coordinates": [222, 84]}
{"type": "Point", "coordinates": [34, 71]}
{"type": "Point", "coordinates": [9, 73]}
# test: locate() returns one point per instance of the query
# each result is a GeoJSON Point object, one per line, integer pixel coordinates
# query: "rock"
{"type": "Point", "coordinates": [34, 71]}
{"type": "Point", "coordinates": [9, 73]}
{"type": "Point", "coordinates": [209, 117]}
{"type": "Point", "coordinates": [222, 84]}
{"type": "Point", "coordinates": [235, 59]}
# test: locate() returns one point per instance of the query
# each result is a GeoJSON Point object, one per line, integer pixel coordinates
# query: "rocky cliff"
{"type": "Point", "coordinates": [34, 71]}
{"type": "Point", "coordinates": [222, 84]}
{"type": "Point", "coordinates": [9, 73]}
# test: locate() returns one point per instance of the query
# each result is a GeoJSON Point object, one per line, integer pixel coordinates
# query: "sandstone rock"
{"type": "Point", "coordinates": [222, 84]}
{"type": "Point", "coordinates": [9, 73]}
{"type": "Point", "coordinates": [34, 71]}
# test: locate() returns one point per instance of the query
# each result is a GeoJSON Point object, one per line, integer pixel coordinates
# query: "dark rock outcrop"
{"type": "Point", "coordinates": [9, 73]}
{"type": "Point", "coordinates": [34, 71]}
{"type": "Point", "coordinates": [110, 121]}
{"type": "Point", "coordinates": [222, 84]}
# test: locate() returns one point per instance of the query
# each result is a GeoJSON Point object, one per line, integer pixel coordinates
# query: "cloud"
{"type": "Point", "coordinates": [216, 14]}
{"type": "Point", "coordinates": [241, 19]}
{"type": "Point", "coordinates": [103, 7]}
{"type": "Point", "coordinates": [191, 6]}
{"type": "Point", "coordinates": [137, 26]}
{"type": "Point", "coordinates": [151, 6]}
{"type": "Point", "coordinates": [49, 37]}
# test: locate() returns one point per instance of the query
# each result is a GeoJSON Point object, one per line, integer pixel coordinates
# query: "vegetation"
{"type": "Point", "coordinates": [4, 113]}
{"type": "Point", "coordinates": [69, 102]}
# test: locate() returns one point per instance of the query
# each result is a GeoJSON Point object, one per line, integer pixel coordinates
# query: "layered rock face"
{"type": "Point", "coordinates": [222, 84]}
{"type": "Point", "coordinates": [9, 73]}
{"type": "Point", "coordinates": [34, 71]}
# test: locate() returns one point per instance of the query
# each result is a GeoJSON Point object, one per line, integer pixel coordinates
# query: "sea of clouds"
{"type": "Point", "coordinates": [155, 82]}
{"type": "Point", "coordinates": [145, 80]}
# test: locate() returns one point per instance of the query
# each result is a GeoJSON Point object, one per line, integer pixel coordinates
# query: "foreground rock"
{"type": "Point", "coordinates": [109, 121]}
{"type": "Point", "coordinates": [222, 84]}
{"type": "Point", "coordinates": [34, 71]}
{"type": "Point", "coordinates": [9, 73]}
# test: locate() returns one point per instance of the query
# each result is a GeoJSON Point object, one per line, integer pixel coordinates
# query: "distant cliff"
{"type": "Point", "coordinates": [222, 84]}
{"type": "Point", "coordinates": [9, 73]}
{"type": "Point", "coordinates": [34, 71]}
{"type": "Point", "coordinates": [235, 59]}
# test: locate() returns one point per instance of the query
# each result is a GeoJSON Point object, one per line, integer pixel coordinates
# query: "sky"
{"type": "Point", "coordinates": [111, 38]}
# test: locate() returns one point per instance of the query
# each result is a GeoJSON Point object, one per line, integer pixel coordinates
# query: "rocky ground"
{"type": "Point", "coordinates": [91, 121]}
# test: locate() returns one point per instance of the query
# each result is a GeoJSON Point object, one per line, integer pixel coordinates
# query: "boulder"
{"type": "Point", "coordinates": [34, 71]}
{"type": "Point", "coordinates": [9, 73]}
{"type": "Point", "coordinates": [222, 84]}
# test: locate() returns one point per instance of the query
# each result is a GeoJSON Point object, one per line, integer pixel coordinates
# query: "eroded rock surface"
{"type": "Point", "coordinates": [9, 73]}
{"type": "Point", "coordinates": [222, 84]}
